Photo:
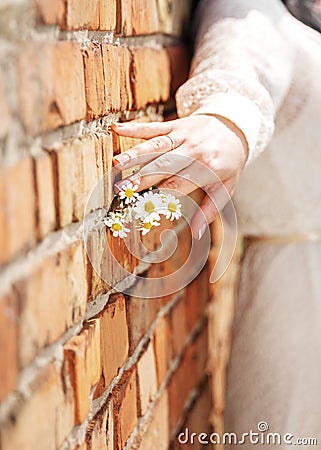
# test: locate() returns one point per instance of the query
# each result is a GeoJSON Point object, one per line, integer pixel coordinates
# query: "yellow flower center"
{"type": "Point", "coordinates": [116, 226]}
{"type": "Point", "coordinates": [148, 225]}
{"type": "Point", "coordinates": [129, 193]}
{"type": "Point", "coordinates": [149, 206]}
{"type": "Point", "coordinates": [172, 207]}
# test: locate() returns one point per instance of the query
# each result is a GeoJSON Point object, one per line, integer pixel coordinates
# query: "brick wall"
{"type": "Point", "coordinates": [83, 367]}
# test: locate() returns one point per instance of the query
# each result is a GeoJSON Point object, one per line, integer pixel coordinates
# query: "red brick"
{"type": "Point", "coordinates": [188, 375]}
{"type": "Point", "coordinates": [45, 194]}
{"type": "Point", "coordinates": [118, 258]}
{"type": "Point", "coordinates": [141, 313]}
{"type": "Point", "coordinates": [196, 299]}
{"type": "Point", "coordinates": [106, 147]}
{"type": "Point", "coordinates": [51, 89]}
{"type": "Point", "coordinates": [137, 17]}
{"type": "Point", "coordinates": [8, 344]}
{"type": "Point", "coordinates": [126, 95]}
{"type": "Point", "coordinates": [147, 379]}
{"type": "Point", "coordinates": [152, 81]}
{"type": "Point", "coordinates": [117, 62]}
{"type": "Point", "coordinates": [81, 14]}
{"type": "Point", "coordinates": [83, 355]}
{"type": "Point", "coordinates": [112, 67]}
{"type": "Point", "coordinates": [100, 430]}
{"type": "Point", "coordinates": [125, 410]}
{"type": "Point", "coordinates": [52, 297]}
{"type": "Point", "coordinates": [91, 15]}
{"type": "Point", "coordinates": [92, 169]}
{"type": "Point", "coordinates": [17, 210]}
{"type": "Point", "coordinates": [162, 348]}
{"type": "Point", "coordinates": [178, 327]}
{"type": "Point", "coordinates": [96, 285]}
{"type": "Point", "coordinates": [171, 264]}
{"type": "Point", "coordinates": [94, 82]}
{"type": "Point", "coordinates": [50, 12]}
{"type": "Point", "coordinates": [79, 167]}
{"type": "Point", "coordinates": [32, 426]}
{"type": "Point", "coordinates": [157, 434]}
{"type": "Point", "coordinates": [114, 340]}
{"type": "Point", "coordinates": [107, 14]}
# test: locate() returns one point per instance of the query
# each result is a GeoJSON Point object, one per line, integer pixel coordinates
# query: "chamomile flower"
{"type": "Point", "coordinates": [147, 207]}
{"type": "Point", "coordinates": [128, 193]}
{"type": "Point", "coordinates": [127, 214]}
{"type": "Point", "coordinates": [171, 207]}
{"type": "Point", "coordinates": [146, 225]}
{"type": "Point", "coordinates": [116, 225]}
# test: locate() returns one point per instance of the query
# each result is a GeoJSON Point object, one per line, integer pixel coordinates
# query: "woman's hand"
{"type": "Point", "coordinates": [214, 142]}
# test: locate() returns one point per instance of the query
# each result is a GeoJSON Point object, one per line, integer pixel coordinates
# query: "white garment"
{"type": "Point", "coordinates": [260, 68]}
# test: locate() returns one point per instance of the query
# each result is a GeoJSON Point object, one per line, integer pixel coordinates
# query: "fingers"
{"type": "Point", "coordinates": [192, 177]}
{"type": "Point", "coordinates": [142, 130]}
{"type": "Point", "coordinates": [217, 197]}
{"type": "Point", "coordinates": [147, 151]}
{"type": "Point", "coordinates": [159, 169]}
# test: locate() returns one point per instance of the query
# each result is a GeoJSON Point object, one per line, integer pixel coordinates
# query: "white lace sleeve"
{"type": "Point", "coordinates": [242, 66]}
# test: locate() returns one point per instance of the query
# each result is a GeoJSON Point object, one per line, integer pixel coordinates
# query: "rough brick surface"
{"type": "Point", "coordinates": [45, 195]}
{"type": "Point", "coordinates": [147, 380]}
{"type": "Point", "coordinates": [78, 14]}
{"type": "Point", "coordinates": [51, 299]}
{"type": "Point", "coordinates": [51, 89]}
{"type": "Point", "coordinates": [83, 356]}
{"type": "Point", "coordinates": [125, 409]}
{"type": "Point", "coordinates": [30, 427]}
{"type": "Point", "coordinates": [138, 17]}
{"type": "Point", "coordinates": [163, 348]}
{"type": "Point", "coordinates": [17, 212]}
{"type": "Point", "coordinates": [157, 435]}
{"type": "Point", "coordinates": [114, 340]}
{"type": "Point", "coordinates": [9, 352]}
{"type": "Point", "coordinates": [141, 313]}
{"type": "Point", "coordinates": [49, 12]}
{"type": "Point", "coordinates": [77, 169]}
{"type": "Point", "coordinates": [100, 430]}
{"type": "Point", "coordinates": [152, 82]}
{"type": "Point", "coordinates": [94, 82]}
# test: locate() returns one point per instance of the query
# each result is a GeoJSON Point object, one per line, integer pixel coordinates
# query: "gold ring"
{"type": "Point", "coordinates": [172, 141]}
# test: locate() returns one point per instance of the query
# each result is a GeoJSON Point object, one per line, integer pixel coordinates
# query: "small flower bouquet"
{"type": "Point", "coordinates": [144, 208]}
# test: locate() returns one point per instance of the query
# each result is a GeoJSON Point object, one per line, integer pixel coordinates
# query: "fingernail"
{"type": "Point", "coordinates": [119, 125]}
{"type": "Point", "coordinates": [122, 159]}
{"type": "Point", "coordinates": [201, 231]}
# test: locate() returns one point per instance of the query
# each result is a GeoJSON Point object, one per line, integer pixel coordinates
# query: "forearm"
{"type": "Point", "coordinates": [242, 66]}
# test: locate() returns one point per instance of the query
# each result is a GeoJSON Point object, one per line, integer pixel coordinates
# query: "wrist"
{"type": "Point", "coordinates": [236, 130]}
